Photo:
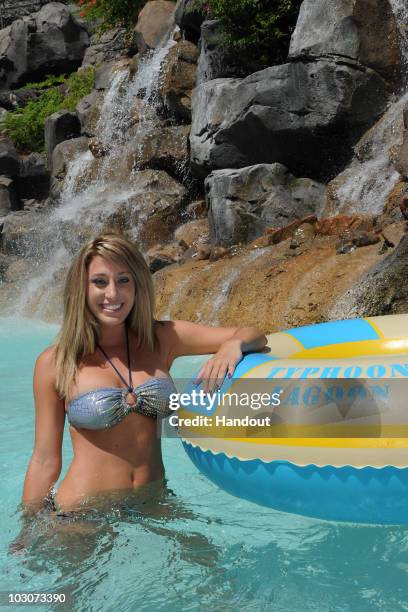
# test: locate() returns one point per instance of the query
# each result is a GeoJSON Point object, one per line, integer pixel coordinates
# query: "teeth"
{"type": "Point", "coordinates": [111, 306]}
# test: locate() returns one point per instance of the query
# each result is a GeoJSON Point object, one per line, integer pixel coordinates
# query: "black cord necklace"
{"type": "Point", "coordinates": [129, 385]}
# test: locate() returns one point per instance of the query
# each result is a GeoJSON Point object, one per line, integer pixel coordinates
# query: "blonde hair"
{"type": "Point", "coordinates": [80, 329]}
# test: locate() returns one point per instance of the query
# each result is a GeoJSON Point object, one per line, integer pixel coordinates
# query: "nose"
{"type": "Point", "coordinates": [111, 290]}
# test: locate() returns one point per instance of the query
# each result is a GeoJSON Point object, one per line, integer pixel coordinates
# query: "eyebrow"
{"type": "Point", "coordinates": [104, 274]}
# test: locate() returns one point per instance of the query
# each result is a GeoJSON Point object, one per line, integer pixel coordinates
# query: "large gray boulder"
{"type": "Point", "coordinates": [60, 126]}
{"type": "Point", "coordinates": [304, 115]}
{"type": "Point", "coordinates": [363, 30]}
{"type": "Point", "coordinates": [63, 154]}
{"type": "Point", "coordinates": [51, 41]}
{"type": "Point", "coordinates": [242, 203]}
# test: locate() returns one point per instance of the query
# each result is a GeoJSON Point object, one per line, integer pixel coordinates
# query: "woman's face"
{"type": "Point", "coordinates": [110, 291]}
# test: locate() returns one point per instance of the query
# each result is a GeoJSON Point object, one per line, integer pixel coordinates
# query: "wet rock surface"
{"type": "Point", "coordinates": [155, 20]}
{"type": "Point", "coordinates": [382, 290]}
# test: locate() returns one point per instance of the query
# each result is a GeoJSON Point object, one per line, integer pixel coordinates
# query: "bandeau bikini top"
{"type": "Point", "coordinates": [107, 406]}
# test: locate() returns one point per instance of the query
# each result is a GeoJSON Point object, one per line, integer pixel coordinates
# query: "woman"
{"type": "Point", "coordinates": [109, 372]}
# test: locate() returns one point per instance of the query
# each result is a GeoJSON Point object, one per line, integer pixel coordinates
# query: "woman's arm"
{"type": "Point", "coordinates": [46, 460]}
{"type": "Point", "coordinates": [228, 344]}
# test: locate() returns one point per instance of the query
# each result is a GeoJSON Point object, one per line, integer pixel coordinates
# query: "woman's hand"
{"type": "Point", "coordinates": [224, 361]}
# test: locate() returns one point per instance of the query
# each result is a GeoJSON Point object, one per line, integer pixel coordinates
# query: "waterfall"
{"type": "Point", "coordinates": [364, 186]}
{"type": "Point", "coordinates": [95, 188]}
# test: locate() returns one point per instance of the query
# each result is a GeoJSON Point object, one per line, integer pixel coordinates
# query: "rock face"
{"type": "Point", "coordinates": [189, 16]}
{"type": "Point", "coordinates": [34, 179]}
{"type": "Point", "coordinates": [62, 155]}
{"type": "Point", "coordinates": [60, 126]}
{"type": "Point", "coordinates": [51, 41]}
{"type": "Point", "coordinates": [383, 290]}
{"type": "Point", "coordinates": [88, 111]}
{"type": "Point", "coordinates": [242, 203]}
{"type": "Point", "coordinates": [305, 115]}
{"type": "Point", "coordinates": [155, 19]}
{"type": "Point", "coordinates": [179, 77]}
{"type": "Point", "coordinates": [165, 150]}
{"type": "Point", "coordinates": [363, 30]}
{"type": "Point", "coordinates": [215, 60]}
{"type": "Point", "coordinates": [9, 160]}
{"type": "Point", "coordinates": [108, 46]}
{"type": "Point", "coordinates": [14, 9]}
{"type": "Point", "coordinates": [8, 196]}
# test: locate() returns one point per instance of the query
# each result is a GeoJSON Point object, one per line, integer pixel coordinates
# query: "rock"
{"type": "Point", "coordinates": [19, 231]}
{"type": "Point", "coordinates": [8, 196]}
{"type": "Point", "coordinates": [111, 45]}
{"type": "Point", "coordinates": [97, 148]}
{"type": "Point", "coordinates": [191, 232]}
{"type": "Point", "coordinates": [155, 20]}
{"type": "Point", "coordinates": [88, 111]}
{"type": "Point", "coordinates": [34, 179]}
{"type": "Point", "coordinates": [276, 235]}
{"type": "Point", "coordinates": [16, 270]}
{"type": "Point", "coordinates": [179, 79]}
{"type": "Point", "coordinates": [401, 163]}
{"type": "Point", "coordinates": [242, 203]}
{"type": "Point", "coordinates": [404, 206]}
{"type": "Point", "coordinates": [51, 41]}
{"type": "Point", "coordinates": [62, 155]}
{"type": "Point", "coordinates": [164, 149]}
{"type": "Point", "coordinates": [60, 126]}
{"type": "Point", "coordinates": [11, 99]}
{"type": "Point", "coordinates": [3, 114]}
{"type": "Point", "coordinates": [161, 256]}
{"type": "Point", "coordinates": [150, 209]}
{"type": "Point", "coordinates": [382, 290]}
{"type": "Point", "coordinates": [9, 160]}
{"type": "Point", "coordinates": [363, 30]}
{"type": "Point", "coordinates": [405, 115]}
{"type": "Point", "coordinates": [305, 115]}
{"type": "Point", "coordinates": [215, 60]}
{"type": "Point", "coordinates": [189, 15]}
{"type": "Point", "coordinates": [197, 209]}
{"type": "Point", "coordinates": [345, 225]}
{"type": "Point", "coordinates": [218, 252]}
{"type": "Point", "coordinates": [5, 261]}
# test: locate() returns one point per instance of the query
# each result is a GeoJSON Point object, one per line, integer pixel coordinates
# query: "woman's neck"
{"type": "Point", "coordinates": [112, 336]}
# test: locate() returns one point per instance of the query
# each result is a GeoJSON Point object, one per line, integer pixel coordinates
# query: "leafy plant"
{"type": "Point", "coordinates": [25, 125]}
{"type": "Point", "coordinates": [260, 30]}
{"type": "Point", "coordinates": [110, 13]}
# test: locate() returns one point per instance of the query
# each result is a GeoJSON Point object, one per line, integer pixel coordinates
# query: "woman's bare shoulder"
{"type": "Point", "coordinates": [46, 359]}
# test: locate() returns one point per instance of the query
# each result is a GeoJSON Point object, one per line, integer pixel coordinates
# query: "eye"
{"type": "Point", "coordinates": [99, 282]}
{"type": "Point", "coordinates": [124, 280]}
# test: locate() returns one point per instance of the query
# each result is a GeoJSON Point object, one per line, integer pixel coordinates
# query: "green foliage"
{"type": "Point", "coordinates": [25, 125]}
{"type": "Point", "coordinates": [260, 30]}
{"type": "Point", "coordinates": [110, 13]}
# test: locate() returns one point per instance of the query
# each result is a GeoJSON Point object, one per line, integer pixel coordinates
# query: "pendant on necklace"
{"type": "Point", "coordinates": [131, 398]}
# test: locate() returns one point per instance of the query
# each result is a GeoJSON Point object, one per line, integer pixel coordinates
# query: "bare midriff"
{"type": "Point", "coordinates": [125, 456]}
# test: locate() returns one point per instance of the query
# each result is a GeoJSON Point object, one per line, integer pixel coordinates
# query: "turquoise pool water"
{"type": "Point", "coordinates": [197, 548]}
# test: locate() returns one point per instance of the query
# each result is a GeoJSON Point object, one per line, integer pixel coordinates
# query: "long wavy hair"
{"type": "Point", "coordinates": [80, 331]}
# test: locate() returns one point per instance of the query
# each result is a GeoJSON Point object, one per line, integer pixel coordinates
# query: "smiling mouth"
{"type": "Point", "coordinates": [111, 307]}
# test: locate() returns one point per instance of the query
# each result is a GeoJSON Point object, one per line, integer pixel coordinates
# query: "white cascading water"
{"type": "Point", "coordinates": [363, 187]}
{"type": "Point", "coordinates": [93, 189]}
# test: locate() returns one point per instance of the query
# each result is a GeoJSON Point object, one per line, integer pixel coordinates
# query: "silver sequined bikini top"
{"type": "Point", "coordinates": [107, 406]}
